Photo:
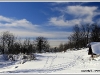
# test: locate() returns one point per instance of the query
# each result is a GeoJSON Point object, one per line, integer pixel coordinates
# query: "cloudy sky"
{"type": "Point", "coordinates": [53, 20]}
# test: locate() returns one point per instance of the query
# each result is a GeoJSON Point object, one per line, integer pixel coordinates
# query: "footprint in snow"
{"type": "Point", "coordinates": [16, 66]}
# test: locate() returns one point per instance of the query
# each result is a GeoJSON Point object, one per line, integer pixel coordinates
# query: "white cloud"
{"type": "Point", "coordinates": [62, 22]}
{"type": "Point", "coordinates": [27, 33]}
{"type": "Point", "coordinates": [81, 11]}
{"type": "Point", "coordinates": [81, 15]}
{"type": "Point", "coordinates": [10, 22]}
{"type": "Point", "coordinates": [5, 19]}
{"type": "Point", "coordinates": [30, 30]}
{"type": "Point", "coordinates": [55, 37]}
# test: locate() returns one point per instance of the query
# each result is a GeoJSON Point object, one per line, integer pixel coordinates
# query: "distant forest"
{"type": "Point", "coordinates": [81, 36]}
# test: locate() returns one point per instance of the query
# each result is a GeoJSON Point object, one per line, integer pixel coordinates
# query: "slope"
{"type": "Point", "coordinates": [55, 63]}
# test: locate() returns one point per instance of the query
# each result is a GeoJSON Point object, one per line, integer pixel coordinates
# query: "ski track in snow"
{"type": "Point", "coordinates": [51, 68]}
{"type": "Point", "coordinates": [52, 63]}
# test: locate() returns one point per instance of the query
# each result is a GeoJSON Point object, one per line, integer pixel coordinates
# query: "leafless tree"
{"type": "Point", "coordinates": [42, 44]}
{"type": "Point", "coordinates": [61, 47]}
{"type": "Point", "coordinates": [7, 40]}
{"type": "Point", "coordinates": [95, 33]}
{"type": "Point", "coordinates": [27, 46]}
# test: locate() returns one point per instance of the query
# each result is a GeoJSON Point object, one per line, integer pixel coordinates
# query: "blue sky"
{"type": "Point", "coordinates": [53, 20]}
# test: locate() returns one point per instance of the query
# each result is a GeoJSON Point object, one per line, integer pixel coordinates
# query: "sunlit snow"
{"type": "Point", "coordinates": [53, 63]}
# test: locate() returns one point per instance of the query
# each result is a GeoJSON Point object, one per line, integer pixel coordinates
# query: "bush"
{"type": "Point", "coordinates": [19, 57]}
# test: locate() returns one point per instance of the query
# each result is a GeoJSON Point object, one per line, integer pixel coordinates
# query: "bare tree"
{"type": "Point", "coordinates": [85, 34]}
{"type": "Point", "coordinates": [76, 36]}
{"type": "Point", "coordinates": [88, 30]}
{"type": "Point", "coordinates": [65, 47]}
{"type": "Point", "coordinates": [27, 46]}
{"type": "Point", "coordinates": [42, 44]}
{"type": "Point", "coordinates": [70, 42]}
{"type": "Point", "coordinates": [95, 33]}
{"type": "Point", "coordinates": [7, 41]}
{"type": "Point", "coordinates": [61, 47]}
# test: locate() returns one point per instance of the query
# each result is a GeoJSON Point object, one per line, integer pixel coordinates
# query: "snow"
{"type": "Point", "coordinates": [95, 47]}
{"type": "Point", "coordinates": [70, 62]}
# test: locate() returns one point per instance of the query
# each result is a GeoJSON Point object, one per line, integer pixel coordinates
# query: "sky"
{"type": "Point", "coordinates": [52, 20]}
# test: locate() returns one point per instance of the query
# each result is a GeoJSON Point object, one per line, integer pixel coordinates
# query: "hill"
{"type": "Point", "coordinates": [54, 63]}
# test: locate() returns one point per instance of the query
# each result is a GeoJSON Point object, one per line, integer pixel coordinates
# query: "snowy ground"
{"type": "Point", "coordinates": [72, 62]}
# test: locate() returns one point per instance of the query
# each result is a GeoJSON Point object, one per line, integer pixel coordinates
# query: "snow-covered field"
{"type": "Point", "coordinates": [72, 62]}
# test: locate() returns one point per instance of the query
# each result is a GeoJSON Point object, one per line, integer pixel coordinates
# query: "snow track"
{"type": "Point", "coordinates": [49, 67]}
{"type": "Point", "coordinates": [53, 63]}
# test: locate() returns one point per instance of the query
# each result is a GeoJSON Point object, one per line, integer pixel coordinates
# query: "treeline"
{"type": "Point", "coordinates": [10, 44]}
{"type": "Point", "coordinates": [81, 36]}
